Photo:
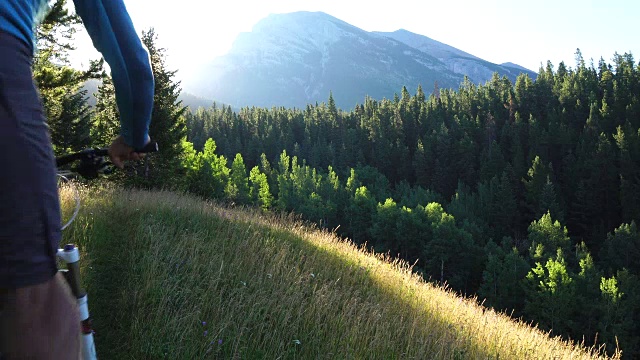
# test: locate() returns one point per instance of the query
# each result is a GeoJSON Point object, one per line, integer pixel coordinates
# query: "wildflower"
{"type": "Point", "coordinates": [204, 323]}
{"type": "Point", "coordinates": [206, 333]}
{"type": "Point", "coordinates": [219, 341]}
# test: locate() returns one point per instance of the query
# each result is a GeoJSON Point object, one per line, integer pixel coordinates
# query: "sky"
{"type": "Point", "coordinates": [525, 32]}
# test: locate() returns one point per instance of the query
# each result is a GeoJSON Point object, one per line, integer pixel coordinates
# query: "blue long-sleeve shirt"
{"type": "Point", "coordinates": [112, 32]}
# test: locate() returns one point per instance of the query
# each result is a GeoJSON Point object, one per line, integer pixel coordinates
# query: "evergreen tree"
{"type": "Point", "coordinates": [167, 122]}
{"type": "Point", "coordinates": [628, 142]}
{"type": "Point", "coordinates": [259, 191]}
{"type": "Point", "coordinates": [502, 278]}
{"type": "Point", "coordinates": [71, 127]}
{"type": "Point", "coordinates": [214, 169]}
{"type": "Point", "coordinates": [547, 237]}
{"type": "Point", "coordinates": [621, 321]}
{"type": "Point", "coordinates": [384, 229]}
{"type": "Point", "coordinates": [421, 164]}
{"type": "Point", "coordinates": [285, 186]}
{"type": "Point", "coordinates": [587, 283]}
{"type": "Point", "coordinates": [360, 212]}
{"type": "Point", "coordinates": [412, 234]}
{"type": "Point", "coordinates": [622, 249]}
{"type": "Point", "coordinates": [540, 191]}
{"type": "Point", "coordinates": [550, 297]}
{"type": "Point", "coordinates": [106, 120]}
{"type": "Point", "coordinates": [504, 209]}
{"type": "Point", "coordinates": [65, 104]}
{"type": "Point", "coordinates": [450, 254]}
{"type": "Point", "coordinates": [238, 187]}
{"type": "Point", "coordinates": [195, 180]}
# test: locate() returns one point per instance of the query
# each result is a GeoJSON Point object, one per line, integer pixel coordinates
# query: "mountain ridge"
{"type": "Point", "coordinates": [458, 61]}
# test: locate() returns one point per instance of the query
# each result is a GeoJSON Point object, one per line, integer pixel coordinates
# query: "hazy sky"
{"type": "Point", "coordinates": [525, 32]}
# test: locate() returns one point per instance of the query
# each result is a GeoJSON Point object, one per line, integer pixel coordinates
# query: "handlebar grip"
{"type": "Point", "coordinates": [152, 146]}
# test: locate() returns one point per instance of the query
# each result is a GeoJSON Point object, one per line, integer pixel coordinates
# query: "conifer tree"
{"type": "Point", "coordinates": [384, 226]}
{"type": "Point", "coordinates": [359, 212]}
{"type": "Point", "coordinates": [547, 237]}
{"type": "Point", "coordinates": [106, 119]}
{"type": "Point", "coordinates": [238, 187]}
{"type": "Point", "coordinates": [450, 253]}
{"type": "Point", "coordinates": [259, 190]}
{"type": "Point", "coordinates": [621, 249]}
{"type": "Point", "coordinates": [540, 191]}
{"type": "Point", "coordinates": [65, 104]}
{"type": "Point", "coordinates": [587, 296]}
{"type": "Point", "coordinates": [167, 122]}
{"type": "Point", "coordinates": [620, 321]}
{"type": "Point", "coordinates": [628, 143]}
{"type": "Point", "coordinates": [502, 278]}
{"type": "Point", "coordinates": [214, 170]}
{"type": "Point", "coordinates": [551, 295]}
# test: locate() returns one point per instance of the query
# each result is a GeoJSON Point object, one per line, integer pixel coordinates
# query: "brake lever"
{"type": "Point", "coordinates": [108, 168]}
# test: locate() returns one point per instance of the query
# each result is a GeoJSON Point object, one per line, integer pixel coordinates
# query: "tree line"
{"type": "Point", "coordinates": [523, 194]}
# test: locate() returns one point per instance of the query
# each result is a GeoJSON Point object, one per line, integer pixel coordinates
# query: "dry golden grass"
{"type": "Point", "coordinates": [159, 264]}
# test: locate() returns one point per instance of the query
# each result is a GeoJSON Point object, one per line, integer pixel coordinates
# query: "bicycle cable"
{"type": "Point", "coordinates": [76, 195]}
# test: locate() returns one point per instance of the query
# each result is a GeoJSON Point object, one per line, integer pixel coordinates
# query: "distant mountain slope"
{"type": "Point", "coordinates": [295, 59]}
{"type": "Point", "coordinates": [458, 61]}
{"type": "Point", "coordinates": [516, 66]}
{"type": "Point", "coordinates": [190, 100]}
{"type": "Point", "coordinates": [194, 102]}
{"type": "Point", "coordinates": [91, 86]}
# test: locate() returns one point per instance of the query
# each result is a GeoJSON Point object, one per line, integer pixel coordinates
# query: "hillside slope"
{"type": "Point", "coordinates": [170, 276]}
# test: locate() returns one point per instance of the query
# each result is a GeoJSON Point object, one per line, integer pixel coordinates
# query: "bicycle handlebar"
{"type": "Point", "coordinates": [92, 160]}
{"type": "Point", "coordinates": [98, 152]}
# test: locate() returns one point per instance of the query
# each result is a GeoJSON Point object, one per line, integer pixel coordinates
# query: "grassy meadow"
{"type": "Point", "coordinates": [170, 276]}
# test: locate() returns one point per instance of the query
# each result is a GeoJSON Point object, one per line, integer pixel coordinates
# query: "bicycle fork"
{"type": "Point", "coordinates": [71, 256]}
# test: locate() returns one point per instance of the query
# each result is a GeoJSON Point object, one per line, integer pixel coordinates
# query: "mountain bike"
{"type": "Point", "coordinates": [90, 164]}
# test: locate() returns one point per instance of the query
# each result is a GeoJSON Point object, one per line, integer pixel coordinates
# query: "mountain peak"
{"type": "Point", "coordinates": [299, 58]}
{"type": "Point", "coordinates": [302, 29]}
{"type": "Point", "coordinates": [297, 19]}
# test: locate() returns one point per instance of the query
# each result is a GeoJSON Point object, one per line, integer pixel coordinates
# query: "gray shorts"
{"type": "Point", "coordinates": [29, 205]}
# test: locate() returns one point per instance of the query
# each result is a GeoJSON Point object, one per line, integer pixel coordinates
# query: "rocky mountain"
{"type": "Point", "coordinates": [295, 59]}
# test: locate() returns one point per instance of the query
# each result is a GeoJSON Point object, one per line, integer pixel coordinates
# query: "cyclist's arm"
{"type": "Point", "coordinates": [110, 27]}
